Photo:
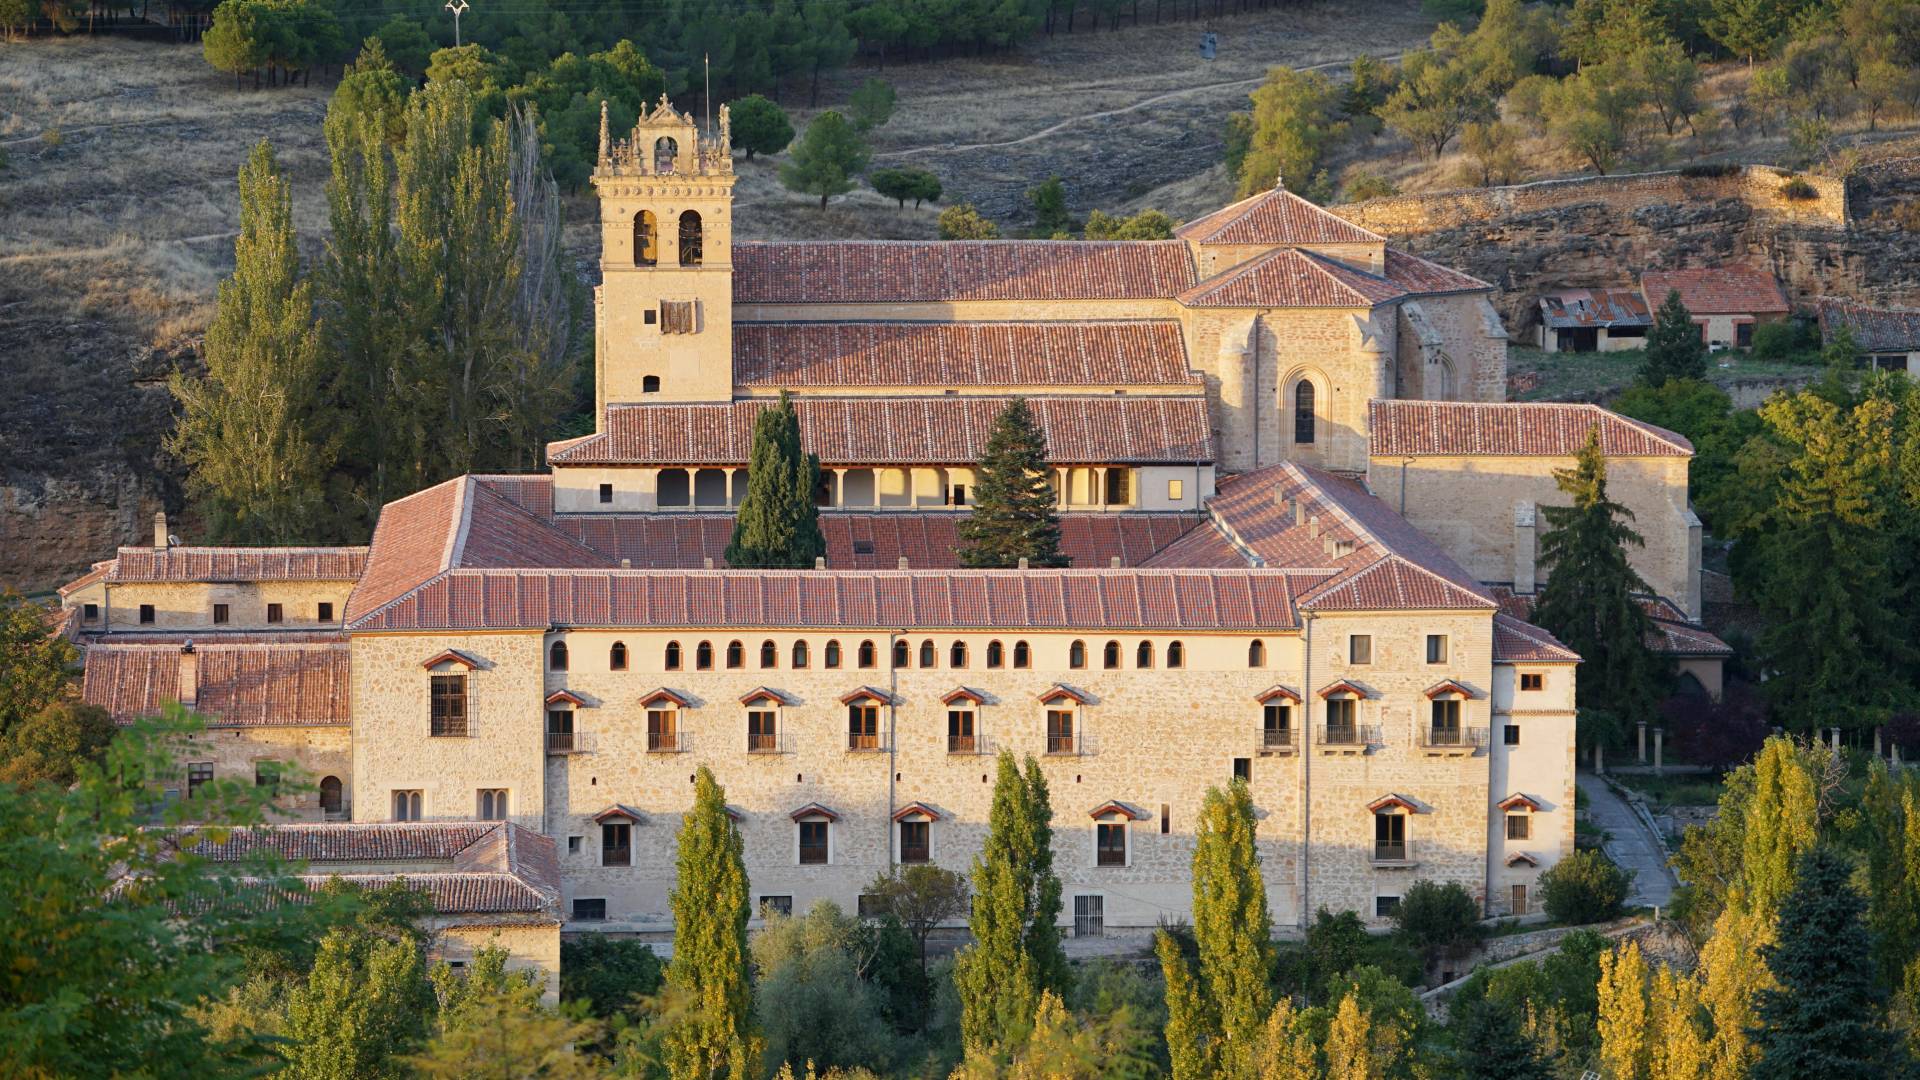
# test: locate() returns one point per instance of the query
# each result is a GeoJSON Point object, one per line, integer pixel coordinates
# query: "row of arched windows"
{"type": "Point", "coordinates": [903, 655]}
{"type": "Point", "coordinates": [1110, 656]}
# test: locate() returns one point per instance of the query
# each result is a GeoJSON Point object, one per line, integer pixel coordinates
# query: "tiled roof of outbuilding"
{"type": "Point", "coordinates": [237, 564]}
{"type": "Point", "coordinates": [240, 685]}
{"type": "Point", "coordinates": [931, 355]}
{"type": "Point", "coordinates": [913, 271]}
{"type": "Point", "coordinates": [903, 431]}
{"type": "Point", "coordinates": [1717, 290]}
{"type": "Point", "coordinates": [1874, 330]}
{"type": "Point", "coordinates": [1275, 217]}
{"type": "Point", "coordinates": [1511, 429]}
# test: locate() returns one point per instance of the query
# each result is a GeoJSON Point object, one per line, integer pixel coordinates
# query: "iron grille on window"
{"type": "Point", "coordinates": [863, 727]}
{"type": "Point", "coordinates": [1390, 837]}
{"type": "Point", "coordinates": [1060, 731]}
{"type": "Point", "coordinates": [449, 705]}
{"type": "Point", "coordinates": [1341, 729]}
{"type": "Point", "coordinates": [762, 735]}
{"type": "Point", "coordinates": [960, 731]}
{"type": "Point", "coordinates": [559, 731]}
{"type": "Point", "coordinates": [1089, 916]}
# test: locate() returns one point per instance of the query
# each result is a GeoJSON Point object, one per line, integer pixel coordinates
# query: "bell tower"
{"type": "Point", "coordinates": [663, 315]}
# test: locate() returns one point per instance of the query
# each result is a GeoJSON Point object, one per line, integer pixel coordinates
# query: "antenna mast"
{"type": "Point", "coordinates": [707, 59]}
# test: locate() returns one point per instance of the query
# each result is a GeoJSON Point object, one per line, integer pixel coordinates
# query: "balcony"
{"type": "Point", "coordinates": [668, 742]}
{"type": "Point", "coordinates": [1451, 741]}
{"type": "Point", "coordinates": [966, 744]}
{"type": "Point", "coordinates": [1279, 741]}
{"type": "Point", "coordinates": [767, 742]}
{"type": "Point", "coordinates": [1348, 738]}
{"type": "Point", "coordinates": [569, 742]}
{"type": "Point", "coordinates": [1064, 744]}
{"type": "Point", "coordinates": [859, 742]}
{"type": "Point", "coordinates": [1392, 855]}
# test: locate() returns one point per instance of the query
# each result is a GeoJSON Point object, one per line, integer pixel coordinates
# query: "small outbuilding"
{"type": "Point", "coordinates": [1726, 302]}
{"type": "Point", "coordinates": [1593, 320]}
{"type": "Point", "coordinates": [1888, 339]}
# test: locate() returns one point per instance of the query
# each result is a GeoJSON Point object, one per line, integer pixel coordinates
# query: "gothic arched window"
{"type": "Point", "coordinates": [1303, 412]}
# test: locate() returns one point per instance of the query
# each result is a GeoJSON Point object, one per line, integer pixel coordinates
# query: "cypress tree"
{"type": "Point", "coordinates": [1825, 1018]}
{"type": "Point", "coordinates": [1674, 346]}
{"type": "Point", "coordinates": [248, 430]}
{"type": "Point", "coordinates": [1013, 498]}
{"type": "Point", "coordinates": [1016, 953]}
{"type": "Point", "coordinates": [778, 525]}
{"type": "Point", "coordinates": [1231, 998]}
{"type": "Point", "coordinates": [708, 973]}
{"type": "Point", "coordinates": [1590, 598]}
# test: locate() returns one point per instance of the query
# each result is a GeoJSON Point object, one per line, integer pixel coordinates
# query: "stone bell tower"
{"type": "Point", "coordinates": [663, 314]}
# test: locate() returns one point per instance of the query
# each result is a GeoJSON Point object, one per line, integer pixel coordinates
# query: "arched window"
{"type": "Point", "coordinates": [617, 657]}
{"type": "Point", "coordinates": [1077, 655]}
{"type": "Point", "coordinates": [1257, 653]}
{"type": "Point", "coordinates": [799, 655]}
{"type": "Point", "coordinates": [1176, 655]}
{"type": "Point", "coordinates": [330, 794]}
{"type": "Point", "coordinates": [650, 384]}
{"type": "Point", "coordinates": [1111, 658]}
{"type": "Point", "coordinates": [673, 656]}
{"type": "Point", "coordinates": [833, 654]}
{"type": "Point", "coordinates": [769, 654]}
{"type": "Point", "coordinates": [866, 654]}
{"type": "Point", "coordinates": [690, 238]}
{"type": "Point", "coordinates": [557, 656]}
{"type": "Point", "coordinates": [646, 239]}
{"type": "Point", "coordinates": [1143, 656]}
{"type": "Point", "coordinates": [957, 656]}
{"type": "Point", "coordinates": [665, 149]}
{"type": "Point", "coordinates": [926, 654]}
{"type": "Point", "coordinates": [902, 654]}
{"type": "Point", "coordinates": [996, 655]}
{"type": "Point", "coordinates": [736, 655]}
{"type": "Point", "coordinates": [1022, 656]}
{"type": "Point", "coordinates": [1303, 412]}
{"type": "Point", "coordinates": [703, 656]}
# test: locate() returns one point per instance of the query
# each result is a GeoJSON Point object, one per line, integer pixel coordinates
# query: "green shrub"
{"type": "Point", "coordinates": [1364, 184]}
{"type": "Point", "coordinates": [610, 974]}
{"type": "Point", "coordinates": [1709, 171]}
{"type": "Point", "coordinates": [1585, 887]}
{"type": "Point", "coordinates": [1441, 921]}
{"type": "Point", "coordinates": [1797, 188]}
{"type": "Point", "coordinates": [1777, 341]}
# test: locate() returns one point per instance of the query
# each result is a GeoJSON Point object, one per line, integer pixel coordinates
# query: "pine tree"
{"type": "Point", "coordinates": [1624, 1046]}
{"type": "Point", "coordinates": [1492, 1037]}
{"type": "Point", "coordinates": [362, 1008]}
{"type": "Point", "coordinates": [249, 430]}
{"type": "Point", "coordinates": [1013, 498]}
{"type": "Point", "coordinates": [1675, 349]}
{"type": "Point", "coordinates": [708, 973]}
{"type": "Point", "coordinates": [1590, 598]}
{"type": "Point", "coordinates": [1825, 1018]}
{"type": "Point", "coordinates": [1016, 953]}
{"type": "Point", "coordinates": [778, 524]}
{"type": "Point", "coordinates": [1231, 998]}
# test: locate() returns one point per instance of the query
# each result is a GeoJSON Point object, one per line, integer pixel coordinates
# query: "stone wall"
{"type": "Point", "coordinates": [235, 753]}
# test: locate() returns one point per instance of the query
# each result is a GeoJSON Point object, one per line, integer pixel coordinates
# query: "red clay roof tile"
{"type": "Point", "coordinates": [1717, 290]}
{"type": "Point", "coordinates": [240, 685]}
{"type": "Point", "coordinates": [1288, 277]}
{"type": "Point", "coordinates": [1511, 429]}
{"type": "Point", "coordinates": [238, 564]}
{"type": "Point", "coordinates": [1274, 217]}
{"type": "Point", "coordinates": [894, 271]}
{"type": "Point", "coordinates": [930, 355]}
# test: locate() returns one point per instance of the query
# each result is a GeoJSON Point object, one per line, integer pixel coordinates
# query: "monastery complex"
{"type": "Point", "coordinates": [1303, 525]}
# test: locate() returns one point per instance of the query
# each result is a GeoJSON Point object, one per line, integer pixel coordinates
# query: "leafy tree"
{"type": "Point", "coordinates": [1296, 118]}
{"type": "Point", "coordinates": [51, 745]}
{"type": "Point", "coordinates": [1145, 225]}
{"type": "Point", "coordinates": [1584, 887]}
{"type": "Point", "coordinates": [16, 19]}
{"type": "Point", "coordinates": [1492, 1043]}
{"type": "Point", "coordinates": [250, 431]}
{"type": "Point", "coordinates": [506, 1039]}
{"type": "Point", "coordinates": [760, 126]}
{"type": "Point", "coordinates": [963, 222]}
{"type": "Point", "coordinates": [921, 897]}
{"type": "Point", "coordinates": [1493, 153]}
{"type": "Point", "coordinates": [1678, 1046]}
{"type": "Point", "coordinates": [363, 1007]}
{"type": "Point", "coordinates": [567, 94]}
{"type": "Point", "coordinates": [1748, 28]}
{"type": "Point", "coordinates": [1286, 1050]}
{"type": "Point", "coordinates": [1016, 954]}
{"type": "Point", "coordinates": [406, 41]}
{"type": "Point", "coordinates": [1049, 204]}
{"type": "Point", "coordinates": [778, 524]}
{"type": "Point", "coordinates": [1624, 1029]}
{"type": "Point", "coordinates": [1595, 113]}
{"type": "Point", "coordinates": [826, 159]}
{"type": "Point", "coordinates": [1825, 1017]}
{"type": "Point", "coordinates": [1720, 733]}
{"type": "Point", "coordinates": [1438, 95]}
{"type": "Point", "coordinates": [1675, 348]}
{"type": "Point", "coordinates": [1442, 921]}
{"type": "Point", "coordinates": [610, 975]}
{"type": "Point", "coordinates": [810, 997]}
{"type": "Point", "coordinates": [236, 43]}
{"type": "Point", "coordinates": [1590, 600]}
{"type": "Point", "coordinates": [1704, 414]}
{"type": "Point", "coordinates": [872, 105]}
{"type": "Point", "coordinates": [903, 184]}
{"type": "Point", "coordinates": [708, 972]}
{"type": "Point", "coordinates": [1013, 501]}
{"type": "Point", "coordinates": [1671, 80]}
{"type": "Point", "coordinates": [36, 664]}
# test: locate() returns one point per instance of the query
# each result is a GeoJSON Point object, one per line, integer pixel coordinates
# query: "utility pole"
{"type": "Point", "coordinates": [456, 6]}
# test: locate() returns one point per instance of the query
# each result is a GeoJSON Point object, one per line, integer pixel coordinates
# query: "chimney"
{"type": "Point", "coordinates": [1313, 526]}
{"type": "Point", "coordinates": [189, 688]}
{"type": "Point", "coordinates": [1023, 562]}
{"type": "Point", "coordinates": [626, 564]}
{"type": "Point", "coordinates": [1299, 513]}
{"type": "Point", "coordinates": [160, 530]}
{"type": "Point", "coordinates": [903, 562]}
{"type": "Point", "coordinates": [708, 562]}
{"type": "Point", "coordinates": [819, 562]}
{"type": "Point", "coordinates": [1113, 562]}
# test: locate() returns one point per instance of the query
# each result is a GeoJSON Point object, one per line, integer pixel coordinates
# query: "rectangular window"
{"type": "Point", "coordinates": [1110, 844]}
{"type": "Point", "coordinates": [1511, 735]}
{"type": "Point", "coordinates": [1341, 728]}
{"type": "Point", "coordinates": [1166, 819]}
{"type": "Point", "coordinates": [863, 727]}
{"type": "Point", "coordinates": [1743, 334]}
{"type": "Point", "coordinates": [651, 317]}
{"type": "Point", "coordinates": [762, 734]}
{"type": "Point", "coordinates": [1176, 490]}
{"type": "Point", "coordinates": [199, 774]}
{"type": "Point", "coordinates": [616, 844]}
{"type": "Point", "coordinates": [449, 719]}
{"type": "Point", "coordinates": [1243, 769]}
{"type": "Point", "coordinates": [960, 731]}
{"type": "Point", "coordinates": [1446, 722]}
{"type": "Point", "coordinates": [916, 841]}
{"type": "Point", "coordinates": [1276, 725]}
{"type": "Point", "coordinates": [1089, 916]}
{"type": "Point", "coordinates": [219, 613]}
{"type": "Point", "coordinates": [1519, 826]}
{"type": "Point", "coordinates": [1360, 649]}
{"type": "Point", "coordinates": [776, 905]}
{"type": "Point", "coordinates": [146, 614]}
{"type": "Point", "coordinates": [1436, 648]}
{"type": "Point", "coordinates": [1518, 900]}
{"type": "Point", "coordinates": [1532, 681]}
{"type": "Point", "coordinates": [324, 613]}
{"type": "Point", "coordinates": [1390, 837]}
{"type": "Point", "coordinates": [957, 495]}
{"type": "Point", "coordinates": [573, 844]}
{"type": "Point", "coordinates": [589, 910]}
{"type": "Point", "coordinates": [90, 612]}
{"type": "Point", "coordinates": [406, 805]}
{"type": "Point", "coordinates": [606, 493]}
{"type": "Point", "coordinates": [492, 804]}
{"type": "Point", "coordinates": [868, 906]}
{"type": "Point", "coordinates": [813, 843]}
{"type": "Point", "coordinates": [1119, 487]}
{"type": "Point", "coordinates": [663, 733]}
{"type": "Point", "coordinates": [274, 613]}
{"type": "Point", "coordinates": [1385, 907]}
{"type": "Point", "coordinates": [1060, 731]}
{"type": "Point", "coordinates": [266, 774]}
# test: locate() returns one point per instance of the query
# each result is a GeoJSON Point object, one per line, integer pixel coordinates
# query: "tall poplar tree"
{"type": "Point", "coordinates": [1590, 600]}
{"type": "Point", "coordinates": [363, 1007]}
{"type": "Point", "coordinates": [1623, 1015]}
{"type": "Point", "coordinates": [1674, 349]}
{"type": "Point", "coordinates": [1013, 498]}
{"type": "Point", "coordinates": [708, 973]}
{"type": "Point", "coordinates": [249, 429]}
{"type": "Point", "coordinates": [1782, 825]}
{"type": "Point", "coordinates": [1230, 999]}
{"type": "Point", "coordinates": [778, 524]}
{"type": "Point", "coordinates": [1016, 953]}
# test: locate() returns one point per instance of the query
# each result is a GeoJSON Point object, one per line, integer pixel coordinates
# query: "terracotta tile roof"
{"type": "Point", "coordinates": [1672, 633]}
{"type": "Point", "coordinates": [904, 272]}
{"type": "Point", "coordinates": [1272, 218]}
{"type": "Point", "coordinates": [238, 564]}
{"type": "Point", "coordinates": [1511, 429]}
{"type": "Point", "coordinates": [240, 685]}
{"type": "Point", "coordinates": [1289, 277]}
{"type": "Point", "coordinates": [1717, 290]}
{"type": "Point", "coordinates": [1140, 352]}
{"type": "Point", "coordinates": [1517, 641]}
{"type": "Point", "coordinates": [952, 599]}
{"type": "Point", "coordinates": [98, 572]}
{"type": "Point", "coordinates": [1594, 307]}
{"type": "Point", "coordinates": [1874, 330]}
{"type": "Point", "coordinates": [903, 431]}
{"type": "Point", "coordinates": [1422, 276]}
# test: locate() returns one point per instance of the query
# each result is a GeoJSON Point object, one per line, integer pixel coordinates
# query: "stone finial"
{"type": "Point", "coordinates": [1023, 562]}
{"type": "Point", "coordinates": [1279, 181]}
{"type": "Point", "coordinates": [606, 141]}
